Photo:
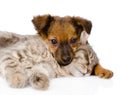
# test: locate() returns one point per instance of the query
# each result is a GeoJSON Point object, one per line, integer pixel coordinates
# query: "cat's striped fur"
{"type": "Point", "coordinates": [27, 60]}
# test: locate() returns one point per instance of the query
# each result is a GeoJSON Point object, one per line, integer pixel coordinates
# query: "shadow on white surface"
{"type": "Point", "coordinates": [64, 86]}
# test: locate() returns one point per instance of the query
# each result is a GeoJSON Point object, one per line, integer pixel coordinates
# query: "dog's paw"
{"type": "Point", "coordinates": [39, 81]}
{"type": "Point", "coordinates": [17, 80]}
{"type": "Point", "coordinates": [103, 73]}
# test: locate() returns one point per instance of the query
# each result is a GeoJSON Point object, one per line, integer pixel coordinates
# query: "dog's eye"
{"type": "Point", "coordinates": [54, 41]}
{"type": "Point", "coordinates": [73, 40]}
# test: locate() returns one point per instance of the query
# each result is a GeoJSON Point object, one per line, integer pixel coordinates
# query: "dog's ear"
{"type": "Point", "coordinates": [42, 24]}
{"type": "Point", "coordinates": [82, 24]}
{"type": "Point", "coordinates": [83, 28]}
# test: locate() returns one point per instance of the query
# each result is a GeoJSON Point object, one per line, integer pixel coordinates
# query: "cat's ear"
{"type": "Point", "coordinates": [84, 37]}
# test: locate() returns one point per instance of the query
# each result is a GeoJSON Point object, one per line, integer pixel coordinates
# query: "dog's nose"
{"type": "Point", "coordinates": [66, 59]}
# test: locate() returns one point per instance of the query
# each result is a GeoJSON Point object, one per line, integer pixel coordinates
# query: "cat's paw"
{"type": "Point", "coordinates": [39, 81]}
{"type": "Point", "coordinates": [17, 80]}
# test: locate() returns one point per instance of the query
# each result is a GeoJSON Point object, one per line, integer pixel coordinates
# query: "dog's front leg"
{"type": "Point", "coordinates": [102, 72]}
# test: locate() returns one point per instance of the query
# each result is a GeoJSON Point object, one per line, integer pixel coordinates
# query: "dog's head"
{"type": "Point", "coordinates": [63, 35]}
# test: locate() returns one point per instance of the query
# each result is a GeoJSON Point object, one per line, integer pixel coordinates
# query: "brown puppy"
{"type": "Point", "coordinates": [64, 35]}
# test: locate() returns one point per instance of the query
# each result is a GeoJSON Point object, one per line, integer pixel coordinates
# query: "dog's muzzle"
{"type": "Point", "coordinates": [66, 60]}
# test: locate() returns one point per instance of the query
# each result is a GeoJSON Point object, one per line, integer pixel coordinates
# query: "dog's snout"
{"type": "Point", "coordinates": [64, 54]}
{"type": "Point", "coordinates": [66, 59]}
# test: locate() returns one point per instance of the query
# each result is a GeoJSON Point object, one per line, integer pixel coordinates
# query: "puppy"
{"type": "Point", "coordinates": [64, 35]}
{"type": "Point", "coordinates": [60, 49]}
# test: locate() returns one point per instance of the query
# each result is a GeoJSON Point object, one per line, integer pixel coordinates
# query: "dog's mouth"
{"type": "Point", "coordinates": [64, 63]}
{"type": "Point", "coordinates": [64, 60]}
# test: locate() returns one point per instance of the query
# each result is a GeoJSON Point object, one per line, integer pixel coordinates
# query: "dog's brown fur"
{"type": "Point", "coordinates": [62, 34]}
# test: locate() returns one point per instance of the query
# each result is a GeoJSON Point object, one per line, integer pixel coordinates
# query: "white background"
{"type": "Point", "coordinates": [16, 15]}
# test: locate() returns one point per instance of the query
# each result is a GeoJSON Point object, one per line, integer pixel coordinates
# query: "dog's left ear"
{"type": "Point", "coordinates": [82, 24]}
{"type": "Point", "coordinates": [83, 28]}
{"type": "Point", "coordinates": [42, 24]}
